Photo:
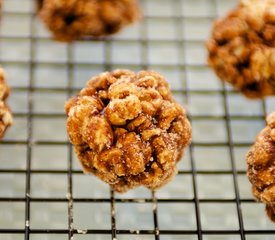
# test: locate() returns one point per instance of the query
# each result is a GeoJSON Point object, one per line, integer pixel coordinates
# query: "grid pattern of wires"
{"type": "Point", "coordinates": [43, 193]}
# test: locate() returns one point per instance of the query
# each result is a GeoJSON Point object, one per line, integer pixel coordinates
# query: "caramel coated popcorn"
{"type": "Point", "coordinates": [69, 20]}
{"type": "Point", "coordinates": [5, 114]}
{"type": "Point", "coordinates": [241, 49]}
{"type": "Point", "coordinates": [261, 166]}
{"type": "Point", "coordinates": [127, 129]}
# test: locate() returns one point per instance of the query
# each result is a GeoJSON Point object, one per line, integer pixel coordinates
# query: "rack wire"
{"type": "Point", "coordinates": [43, 193]}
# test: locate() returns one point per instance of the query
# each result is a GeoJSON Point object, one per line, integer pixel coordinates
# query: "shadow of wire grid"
{"type": "Point", "coordinates": [40, 177]}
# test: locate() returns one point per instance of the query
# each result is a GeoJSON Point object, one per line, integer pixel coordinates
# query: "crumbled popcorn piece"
{"type": "Point", "coordinates": [261, 166]}
{"type": "Point", "coordinates": [127, 129]}
{"type": "Point", "coordinates": [5, 114]}
{"type": "Point", "coordinates": [69, 20]}
{"type": "Point", "coordinates": [241, 48]}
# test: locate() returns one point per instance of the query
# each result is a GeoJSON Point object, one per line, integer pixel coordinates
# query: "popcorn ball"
{"type": "Point", "coordinates": [261, 166]}
{"type": "Point", "coordinates": [127, 129]}
{"type": "Point", "coordinates": [5, 114]}
{"type": "Point", "coordinates": [69, 20]}
{"type": "Point", "coordinates": [241, 48]}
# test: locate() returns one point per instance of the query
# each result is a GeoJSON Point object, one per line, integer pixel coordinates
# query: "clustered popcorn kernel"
{"type": "Point", "coordinates": [5, 114]}
{"type": "Point", "coordinates": [70, 20]}
{"type": "Point", "coordinates": [127, 129]}
{"type": "Point", "coordinates": [261, 166]}
{"type": "Point", "coordinates": [242, 48]}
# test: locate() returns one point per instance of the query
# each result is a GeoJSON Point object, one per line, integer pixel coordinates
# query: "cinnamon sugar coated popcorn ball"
{"type": "Point", "coordinates": [127, 129]}
{"type": "Point", "coordinates": [261, 166]}
{"type": "Point", "coordinates": [5, 114]}
{"type": "Point", "coordinates": [241, 48]}
{"type": "Point", "coordinates": [69, 20]}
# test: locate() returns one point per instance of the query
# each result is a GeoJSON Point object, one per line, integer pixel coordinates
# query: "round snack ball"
{"type": "Point", "coordinates": [241, 48]}
{"type": "Point", "coordinates": [127, 129]}
{"type": "Point", "coordinates": [261, 166]}
{"type": "Point", "coordinates": [5, 114]}
{"type": "Point", "coordinates": [70, 20]}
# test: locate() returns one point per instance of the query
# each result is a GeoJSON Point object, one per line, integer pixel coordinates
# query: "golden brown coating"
{"type": "Point", "coordinates": [241, 48]}
{"type": "Point", "coordinates": [5, 114]}
{"type": "Point", "coordinates": [127, 129]}
{"type": "Point", "coordinates": [69, 20]}
{"type": "Point", "coordinates": [261, 166]}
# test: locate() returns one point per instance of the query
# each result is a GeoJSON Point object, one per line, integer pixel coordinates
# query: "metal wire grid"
{"type": "Point", "coordinates": [43, 193]}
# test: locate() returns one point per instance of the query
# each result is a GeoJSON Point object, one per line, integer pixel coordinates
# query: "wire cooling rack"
{"type": "Point", "coordinates": [43, 193]}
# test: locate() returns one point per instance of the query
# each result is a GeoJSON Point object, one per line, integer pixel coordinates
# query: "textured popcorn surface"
{"type": "Point", "coordinates": [261, 166]}
{"type": "Point", "coordinates": [69, 20]}
{"type": "Point", "coordinates": [5, 114]}
{"type": "Point", "coordinates": [241, 48]}
{"type": "Point", "coordinates": [127, 129]}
